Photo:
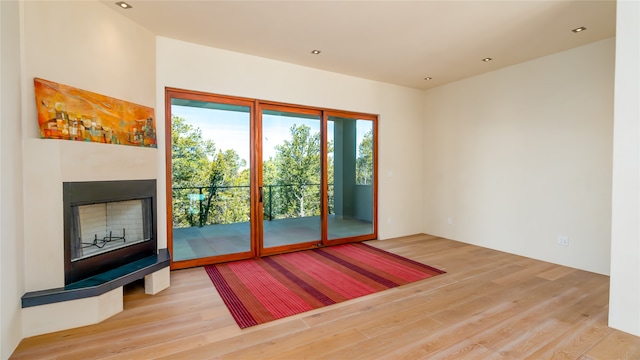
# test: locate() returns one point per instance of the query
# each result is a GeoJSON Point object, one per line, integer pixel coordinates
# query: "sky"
{"type": "Point", "coordinates": [230, 129]}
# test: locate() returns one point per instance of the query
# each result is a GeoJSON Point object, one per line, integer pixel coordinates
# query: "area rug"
{"type": "Point", "coordinates": [261, 290]}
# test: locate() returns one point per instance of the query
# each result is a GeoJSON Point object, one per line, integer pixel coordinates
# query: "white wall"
{"type": "Point", "coordinates": [518, 156]}
{"type": "Point", "coordinates": [90, 46]}
{"type": "Point", "coordinates": [483, 153]}
{"type": "Point", "coordinates": [194, 67]}
{"type": "Point", "coordinates": [624, 299]}
{"type": "Point", "coordinates": [11, 244]}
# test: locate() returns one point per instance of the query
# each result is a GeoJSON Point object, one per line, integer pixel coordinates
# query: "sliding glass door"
{"type": "Point", "coordinates": [247, 178]}
{"type": "Point", "coordinates": [351, 185]}
{"type": "Point", "coordinates": [291, 170]}
{"type": "Point", "coordinates": [210, 179]}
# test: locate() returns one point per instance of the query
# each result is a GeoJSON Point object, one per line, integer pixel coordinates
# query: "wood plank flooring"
{"type": "Point", "coordinates": [489, 305]}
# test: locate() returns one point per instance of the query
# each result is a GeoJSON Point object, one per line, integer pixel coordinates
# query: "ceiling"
{"type": "Point", "coordinates": [398, 42]}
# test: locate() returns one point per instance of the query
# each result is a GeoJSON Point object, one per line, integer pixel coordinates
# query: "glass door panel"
{"type": "Point", "coordinates": [247, 178]}
{"type": "Point", "coordinates": [211, 181]}
{"type": "Point", "coordinates": [291, 179]}
{"type": "Point", "coordinates": [350, 185]}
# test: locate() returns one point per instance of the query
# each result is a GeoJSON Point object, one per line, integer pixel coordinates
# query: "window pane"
{"type": "Point", "coordinates": [350, 174]}
{"type": "Point", "coordinates": [211, 179]}
{"type": "Point", "coordinates": [291, 166]}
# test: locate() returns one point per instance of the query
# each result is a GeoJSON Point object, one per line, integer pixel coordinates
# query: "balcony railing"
{"type": "Point", "coordinates": [205, 205]}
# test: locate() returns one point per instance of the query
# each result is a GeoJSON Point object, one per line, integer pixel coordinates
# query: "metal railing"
{"type": "Point", "coordinates": [275, 198]}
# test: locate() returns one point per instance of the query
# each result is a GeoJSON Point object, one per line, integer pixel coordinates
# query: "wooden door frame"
{"type": "Point", "coordinates": [356, 116]}
{"type": "Point", "coordinates": [262, 251]}
{"type": "Point", "coordinates": [171, 93]}
{"type": "Point", "coordinates": [257, 209]}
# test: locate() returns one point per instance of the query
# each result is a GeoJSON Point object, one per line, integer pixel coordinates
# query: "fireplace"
{"type": "Point", "coordinates": [107, 224]}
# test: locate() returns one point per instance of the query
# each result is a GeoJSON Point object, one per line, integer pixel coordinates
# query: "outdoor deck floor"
{"type": "Point", "coordinates": [212, 240]}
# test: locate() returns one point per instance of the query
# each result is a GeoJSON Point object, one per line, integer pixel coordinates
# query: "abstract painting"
{"type": "Point", "coordinates": [68, 113]}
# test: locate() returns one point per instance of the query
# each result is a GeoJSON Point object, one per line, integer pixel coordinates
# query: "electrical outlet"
{"type": "Point", "coordinates": [563, 240]}
{"type": "Point", "coordinates": [450, 221]}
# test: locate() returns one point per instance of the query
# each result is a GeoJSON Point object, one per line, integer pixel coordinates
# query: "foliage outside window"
{"type": "Point", "coordinates": [212, 185]}
{"type": "Point", "coordinates": [364, 162]}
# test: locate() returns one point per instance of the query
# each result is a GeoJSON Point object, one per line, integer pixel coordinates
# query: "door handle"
{"type": "Point", "coordinates": [260, 190]}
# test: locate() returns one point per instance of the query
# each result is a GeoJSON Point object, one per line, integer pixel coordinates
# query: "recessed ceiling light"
{"type": "Point", "coordinates": [487, 59]}
{"type": "Point", "coordinates": [580, 29]}
{"type": "Point", "coordinates": [124, 5]}
{"type": "Point", "coordinates": [428, 78]}
{"type": "Point", "coordinates": [315, 52]}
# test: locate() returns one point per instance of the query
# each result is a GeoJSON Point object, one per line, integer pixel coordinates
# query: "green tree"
{"type": "Point", "coordinates": [209, 185]}
{"type": "Point", "coordinates": [189, 153]}
{"type": "Point", "coordinates": [270, 189]}
{"type": "Point", "coordinates": [189, 161]}
{"type": "Point", "coordinates": [228, 192]}
{"type": "Point", "coordinates": [364, 162]}
{"type": "Point", "coordinates": [297, 163]}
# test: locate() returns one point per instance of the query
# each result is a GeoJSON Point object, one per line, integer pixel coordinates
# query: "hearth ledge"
{"type": "Point", "coordinates": [105, 282]}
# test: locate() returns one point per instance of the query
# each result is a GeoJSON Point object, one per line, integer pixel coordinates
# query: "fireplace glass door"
{"type": "Point", "coordinates": [103, 227]}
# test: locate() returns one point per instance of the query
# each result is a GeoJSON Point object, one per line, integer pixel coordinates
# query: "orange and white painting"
{"type": "Point", "coordinates": [68, 113]}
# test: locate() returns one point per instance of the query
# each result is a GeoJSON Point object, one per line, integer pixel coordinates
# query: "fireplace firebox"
{"type": "Point", "coordinates": [107, 224]}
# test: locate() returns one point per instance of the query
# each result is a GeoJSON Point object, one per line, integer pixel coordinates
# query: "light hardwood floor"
{"type": "Point", "coordinates": [489, 305]}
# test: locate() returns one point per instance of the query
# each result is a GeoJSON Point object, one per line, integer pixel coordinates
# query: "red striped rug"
{"type": "Point", "coordinates": [260, 290]}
